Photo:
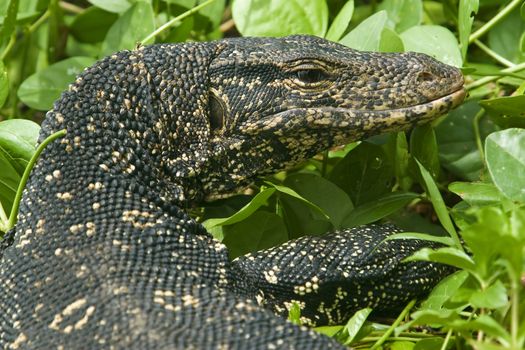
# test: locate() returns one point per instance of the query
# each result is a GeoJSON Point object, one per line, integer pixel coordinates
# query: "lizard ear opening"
{"type": "Point", "coordinates": [216, 112]}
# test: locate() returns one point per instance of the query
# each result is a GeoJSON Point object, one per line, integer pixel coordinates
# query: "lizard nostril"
{"type": "Point", "coordinates": [425, 77]}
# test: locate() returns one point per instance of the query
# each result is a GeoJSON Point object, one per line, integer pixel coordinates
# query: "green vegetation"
{"type": "Point", "coordinates": [460, 181]}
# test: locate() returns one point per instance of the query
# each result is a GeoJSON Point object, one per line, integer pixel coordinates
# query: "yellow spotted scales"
{"type": "Point", "coordinates": [104, 255]}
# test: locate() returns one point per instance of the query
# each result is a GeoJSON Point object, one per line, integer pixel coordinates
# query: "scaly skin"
{"type": "Point", "coordinates": [104, 255]}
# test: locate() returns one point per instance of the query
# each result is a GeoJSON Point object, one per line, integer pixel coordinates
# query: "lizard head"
{"type": "Point", "coordinates": [276, 101]}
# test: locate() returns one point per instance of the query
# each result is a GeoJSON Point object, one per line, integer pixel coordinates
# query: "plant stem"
{"type": "Point", "coordinates": [494, 54]}
{"type": "Point", "coordinates": [25, 176]}
{"type": "Point", "coordinates": [477, 134]}
{"type": "Point", "coordinates": [499, 16]}
{"type": "Point", "coordinates": [483, 81]}
{"type": "Point", "coordinates": [175, 20]}
{"type": "Point", "coordinates": [447, 339]}
{"type": "Point", "coordinates": [396, 323]}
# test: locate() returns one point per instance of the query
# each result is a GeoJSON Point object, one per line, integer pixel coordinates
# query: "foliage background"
{"type": "Point", "coordinates": [459, 181]}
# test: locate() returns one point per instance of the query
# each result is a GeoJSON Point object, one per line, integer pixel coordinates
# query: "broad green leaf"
{"type": "Point", "coordinates": [341, 22]}
{"type": "Point", "coordinates": [28, 10]}
{"type": "Point", "coordinates": [133, 26]}
{"type": "Point", "coordinates": [507, 111]}
{"type": "Point", "coordinates": [390, 41]}
{"type": "Point", "coordinates": [355, 323]}
{"type": "Point", "coordinates": [366, 173]}
{"type": "Point", "coordinates": [18, 138]}
{"type": "Point", "coordinates": [423, 147]}
{"type": "Point", "coordinates": [41, 89]}
{"type": "Point", "coordinates": [437, 201]}
{"type": "Point", "coordinates": [448, 255]}
{"type": "Point", "coordinates": [401, 161]}
{"type": "Point", "coordinates": [477, 193]}
{"type": "Point", "coordinates": [483, 323]}
{"type": "Point", "coordinates": [115, 6]}
{"type": "Point", "coordinates": [92, 25]}
{"type": "Point", "coordinates": [213, 12]}
{"type": "Point", "coordinates": [402, 14]}
{"type": "Point", "coordinates": [188, 4]}
{"type": "Point", "coordinates": [4, 84]}
{"type": "Point", "coordinates": [367, 35]}
{"type": "Point", "coordinates": [458, 151]}
{"type": "Point", "coordinates": [377, 209]}
{"type": "Point", "coordinates": [428, 316]}
{"type": "Point", "coordinates": [492, 236]}
{"type": "Point", "coordinates": [8, 25]}
{"type": "Point", "coordinates": [444, 290]}
{"type": "Point", "coordinates": [329, 331]}
{"type": "Point", "coordinates": [9, 179]}
{"type": "Point", "coordinates": [504, 37]}
{"type": "Point", "coordinates": [261, 230]}
{"type": "Point", "coordinates": [505, 156]}
{"type": "Point", "coordinates": [467, 8]}
{"type": "Point", "coordinates": [435, 343]}
{"type": "Point", "coordinates": [292, 193]}
{"type": "Point", "coordinates": [435, 41]}
{"type": "Point", "coordinates": [280, 17]}
{"type": "Point", "coordinates": [402, 345]}
{"type": "Point", "coordinates": [492, 297]}
{"type": "Point", "coordinates": [331, 199]}
{"type": "Point", "coordinates": [259, 200]}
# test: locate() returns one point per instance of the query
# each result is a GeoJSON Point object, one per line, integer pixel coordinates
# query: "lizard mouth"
{"type": "Point", "coordinates": [354, 123]}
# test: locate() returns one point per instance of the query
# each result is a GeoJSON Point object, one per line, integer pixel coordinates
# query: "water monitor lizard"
{"type": "Point", "coordinates": [104, 254]}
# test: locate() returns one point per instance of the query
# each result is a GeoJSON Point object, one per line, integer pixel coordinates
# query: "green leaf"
{"type": "Point", "coordinates": [292, 193]}
{"type": "Point", "coordinates": [331, 199]}
{"type": "Point", "coordinates": [477, 193]}
{"type": "Point", "coordinates": [9, 22]}
{"type": "Point", "coordinates": [507, 111]}
{"type": "Point", "coordinates": [355, 323]}
{"type": "Point", "coordinates": [423, 147]}
{"type": "Point", "coordinates": [9, 179]}
{"type": "Point", "coordinates": [261, 230]}
{"type": "Point", "coordinates": [18, 138]}
{"type": "Point", "coordinates": [447, 255]}
{"type": "Point", "coordinates": [390, 41]}
{"type": "Point", "coordinates": [402, 14]}
{"type": "Point", "coordinates": [259, 200]}
{"type": "Point", "coordinates": [467, 8]}
{"type": "Point", "coordinates": [504, 37]}
{"type": "Point", "coordinates": [495, 296]}
{"type": "Point", "coordinates": [442, 316]}
{"type": "Point", "coordinates": [41, 89]}
{"type": "Point", "coordinates": [435, 41]}
{"type": "Point", "coordinates": [366, 173]}
{"type": "Point", "coordinates": [444, 291]}
{"type": "Point", "coordinates": [458, 151]}
{"type": "Point", "coordinates": [4, 84]}
{"type": "Point", "coordinates": [213, 12]}
{"type": "Point", "coordinates": [115, 6]}
{"type": "Point", "coordinates": [434, 343]}
{"type": "Point", "coordinates": [280, 17]}
{"type": "Point", "coordinates": [438, 203]}
{"type": "Point", "coordinates": [402, 345]}
{"type": "Point", "coordinates": [505, 156]}
{"type": "Point", "coordinates": [378, 209]}
{"type": "Point", "coordinates": [294, 314]}
{"type": "Point", "coordinates": [483, 323]}
{"type": "Point", "coordinates": [341, 21]}
{"type": "Point", "coordinates": [423, 236]}
{"type": "Point", "coordinates": [133, 26]}
{"type": "Point", "coordinates": [92, 25]}
{"type": "Point", "coordinates": [367, 35]}
{"type": "Point", "coordinates": [329, 331]}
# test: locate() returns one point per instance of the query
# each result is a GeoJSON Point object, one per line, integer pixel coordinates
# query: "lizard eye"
{"type": "Point", "coordinates": [310, 76]}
